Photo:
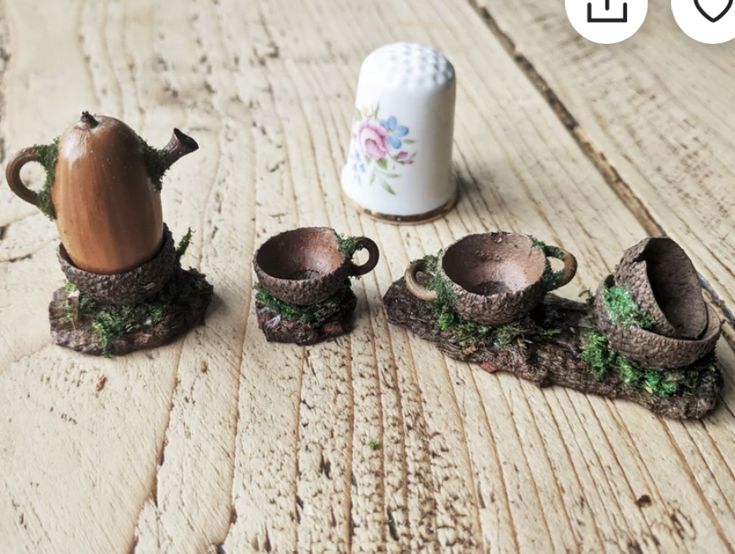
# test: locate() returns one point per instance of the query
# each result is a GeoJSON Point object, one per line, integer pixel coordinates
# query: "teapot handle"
{"type": "Point", "coordinates": [12, 174]}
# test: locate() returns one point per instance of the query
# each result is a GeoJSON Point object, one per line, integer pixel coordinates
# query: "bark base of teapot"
{"type": "Point", "coordinates": [81, 323]}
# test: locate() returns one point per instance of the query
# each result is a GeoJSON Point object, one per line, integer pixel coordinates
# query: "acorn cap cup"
{"type": "Point", "coordinates": [305, 266]}
{"type": "Point", "coordinates": [663, 281]}
{"type": "Point", "coordinates": [652, 350]}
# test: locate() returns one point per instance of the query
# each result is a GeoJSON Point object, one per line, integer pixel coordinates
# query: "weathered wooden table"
{"type": "Point", "coordinates": [222, 442]}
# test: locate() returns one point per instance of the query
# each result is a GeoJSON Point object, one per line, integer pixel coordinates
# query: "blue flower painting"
{"type": "Point", "coordinates": [381, 147]}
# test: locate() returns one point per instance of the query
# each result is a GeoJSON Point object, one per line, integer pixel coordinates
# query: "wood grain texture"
{"type": "Point", "coordinates": [651, 113]}
{"type": "Point", "coordinates": [222, 442]}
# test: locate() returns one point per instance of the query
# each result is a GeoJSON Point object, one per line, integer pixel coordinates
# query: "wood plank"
{"type": "Point", "coordinates": [650, 112]}
{"type": "Point", "coordinates": [190, 505]}
{"type": "Point", "coordinates": [268, 449]}
{"type": "Point", "coordinates": [58, 430]}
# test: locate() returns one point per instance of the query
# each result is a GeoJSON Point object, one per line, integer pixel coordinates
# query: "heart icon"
{"type": "Point", "coordinates": [714, 10]}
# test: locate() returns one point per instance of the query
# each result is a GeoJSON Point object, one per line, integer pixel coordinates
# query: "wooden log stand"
{"type": "Point", "coordinates": [548, 358]}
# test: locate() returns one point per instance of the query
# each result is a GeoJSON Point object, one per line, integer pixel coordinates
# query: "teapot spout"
{"type": "Point", "coordinates": [179, 145]}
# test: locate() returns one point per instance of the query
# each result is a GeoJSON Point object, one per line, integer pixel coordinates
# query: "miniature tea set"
{"type": "Point", "coordinates": [304, 294]}
{"type": "Point", "coordinates": [646, 336]}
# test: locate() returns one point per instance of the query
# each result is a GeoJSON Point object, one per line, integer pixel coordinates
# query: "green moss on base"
{"type": "Point", "coordinates": [314, 314]}
{"type": "Point", "coordinates": [445, 295]}
{"type": "Point", "coordinates": [114, 322]}
{"type": "Point", "coordinates": [48, 155]}
{"type": "Point", "coordinates": [604, 361]}
{"type": "Point", "coordinates": [622, 309]}
{"type": "Point", "coordinates": [111, 322]}
{"type": "Point", "coordinates": [596, 353]}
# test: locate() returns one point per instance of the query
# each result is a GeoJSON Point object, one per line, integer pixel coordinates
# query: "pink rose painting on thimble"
{"type": "Point", "coordinates": [399, 165]}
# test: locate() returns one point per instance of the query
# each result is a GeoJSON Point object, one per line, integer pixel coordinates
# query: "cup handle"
{"type": "Point", "coordinates": [12, 174]}
{"type": "Point", "coordinates": [364, 243]}
{"type": "Point", "coordinates": [413, 286]}
{"type": "Point", "coordinates": [567, 273]}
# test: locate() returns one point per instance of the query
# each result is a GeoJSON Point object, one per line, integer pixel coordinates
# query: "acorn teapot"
{"type": "Point", "coordinates": [103, 189]}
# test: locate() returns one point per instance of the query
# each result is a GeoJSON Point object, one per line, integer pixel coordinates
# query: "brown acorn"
{"type": "Point", "coordinates": [105, 193]}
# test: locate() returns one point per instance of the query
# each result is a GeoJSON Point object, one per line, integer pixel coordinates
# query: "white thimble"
{"type": "Point", "coordinates": [400, 158]}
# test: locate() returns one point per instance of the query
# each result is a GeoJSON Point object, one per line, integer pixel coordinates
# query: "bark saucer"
{"type": "Point", "coordinates": [183, 311]}
{"type": "Point", "coordinates": [663, 281]}
{"type": "Point", "coordinates": [548, 359]}
{"type": "Point", "coordinates": [650, 349]}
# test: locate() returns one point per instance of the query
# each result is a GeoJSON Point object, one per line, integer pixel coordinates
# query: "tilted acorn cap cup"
{"type": "Point", "coordinates": [652, 350]}
{"type": "Point", "coordinates": [663, 281]}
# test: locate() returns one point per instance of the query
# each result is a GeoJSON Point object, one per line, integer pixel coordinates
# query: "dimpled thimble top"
{"type": "Point", "coordinates": [408, 66]}
{"type": "Point", "coordinates": [400, 156]}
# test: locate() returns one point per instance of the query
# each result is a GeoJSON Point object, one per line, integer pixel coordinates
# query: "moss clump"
{"type": "Point", "coordinates": [441, 286]}
{"type": "Point", "coordinates": [313, 314]}
{"type": "Point", "coordinates": [468, 333]}
{"type": "Point", "coordinates": [183, 244]}
{"type": "Point", "coordinates": [509, 334]}
{"type": "Point", "coordinates": [48, 155]}
{"type": "Point", "coordinates": [114, 322]}
{"type": "Point", "coordinates": [622, 309]}
{"type": "Point", "coordinates": [597, 353]}
{"type": "Point", "coordinates": [550, 278]}
{"type": "Point", "coordinates": [111, 322]}
{"type": "Point", "coordinates": [347, 245]}
{"type": "Point", "coordinates": [373, 444]}
{"type": "Point", "coordinates": [153, 159]}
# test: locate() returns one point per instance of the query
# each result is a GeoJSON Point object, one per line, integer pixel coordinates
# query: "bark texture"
{"type": "Point", "coordinates": [278, 329]}
{"type": "Point", "coordinates": [547, 359]}
{"type": "Point", "coordinates": [182, 313]}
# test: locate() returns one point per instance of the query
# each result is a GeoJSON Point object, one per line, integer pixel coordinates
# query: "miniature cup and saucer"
{"type": "Point", "coordinates": [306, 266]}
{"type": "Point", "coordinates": [495, 278]}
{"type": "Point", "coordinates": [304, 294]}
